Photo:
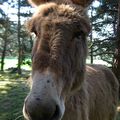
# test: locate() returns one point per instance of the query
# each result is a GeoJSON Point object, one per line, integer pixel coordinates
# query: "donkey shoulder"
{"type": "Point", "coordinates": [100, 73]}
{"type": "Point", "coordinates": [102, 88]}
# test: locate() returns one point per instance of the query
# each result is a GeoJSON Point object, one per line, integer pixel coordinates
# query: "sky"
{"type": "Point", "coordinates": [12, 12]}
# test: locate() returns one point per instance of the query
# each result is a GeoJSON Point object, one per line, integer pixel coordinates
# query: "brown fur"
{"type": "Point", "coordinates": [53, 54]}
{"type": "Point", "coordinates": [38, 2]}
{"type": "Point", "coordinates": [83, 3]}
{"type": "Point", "coordinates": [91, 92]}
{"type": "Point", "coordinates": [46, 51]}
{"type": "Point", "coordinates": [98, 97]}
{"type": "Point", "coordinates": [79, 2]}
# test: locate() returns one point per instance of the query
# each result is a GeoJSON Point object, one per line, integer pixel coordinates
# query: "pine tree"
{"type": "Point", "coordinates": [116, 66]}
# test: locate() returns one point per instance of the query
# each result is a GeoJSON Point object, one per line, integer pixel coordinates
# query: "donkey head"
{"type": "Point", "coordinates": [58, 59]}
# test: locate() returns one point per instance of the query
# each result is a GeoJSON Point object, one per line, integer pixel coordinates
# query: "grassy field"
{"type": "Point", "coordinates": [12, 94]}
{"type": "Point", "coordinates": [13, 90]}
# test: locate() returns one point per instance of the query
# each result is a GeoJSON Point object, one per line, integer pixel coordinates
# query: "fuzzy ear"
{"type": "Point", "coordinates": [84, 3]}
{"type": "Point", "coordinates": [35, 3]}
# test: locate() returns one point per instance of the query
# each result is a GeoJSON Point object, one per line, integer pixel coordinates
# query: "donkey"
{"type": "Point", "coordinates": [63, 87]}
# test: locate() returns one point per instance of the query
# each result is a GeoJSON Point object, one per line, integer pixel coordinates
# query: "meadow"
{"type": "Point", "coordinates": [13, 90]}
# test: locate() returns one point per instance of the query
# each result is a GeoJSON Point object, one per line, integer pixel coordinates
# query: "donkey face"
{"type": "Point", "coordinates": [58, 61]}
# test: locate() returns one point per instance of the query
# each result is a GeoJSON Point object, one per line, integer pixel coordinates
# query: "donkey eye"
{"type": "Point", "coordinates": [78, 34]}
{"type": "Point", "coordinates": [34, 32]}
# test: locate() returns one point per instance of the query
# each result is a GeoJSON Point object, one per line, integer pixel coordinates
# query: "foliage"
{"type": "Point", "coordinates": [104, 27]}
{"type": "Point", "coordinates": [9, 44]}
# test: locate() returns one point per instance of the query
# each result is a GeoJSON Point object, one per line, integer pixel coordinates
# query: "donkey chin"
{"type": "Point", "coordinates": [45, 104]}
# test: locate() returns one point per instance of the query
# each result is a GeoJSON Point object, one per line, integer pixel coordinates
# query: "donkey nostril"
{"type": "Point", "coordinates": [38, 99]}
{"type": "Point", "coordinates": [56, 113]}
{"type": "Point", "coordinates": [48, 81]}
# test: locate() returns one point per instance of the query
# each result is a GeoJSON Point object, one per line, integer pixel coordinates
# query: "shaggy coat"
{"type": "Point", "coordinates": [97, 99]}
{"type": "Point", "coordinates": [89, 92]}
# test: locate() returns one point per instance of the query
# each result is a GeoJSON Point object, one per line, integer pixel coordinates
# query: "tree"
{"type": "Point", "coordinates": [6, 31]}
{"type": "Point", "coordinates": [5, 37]}
{"type": "Point", "coordinates": [116, 66]}
{"type": "Point", "coordinates": [18, 39]}
{"type": "Point", "coordinates": [104, 22]}
{"type": "Point", "coordinates": [91, 36]}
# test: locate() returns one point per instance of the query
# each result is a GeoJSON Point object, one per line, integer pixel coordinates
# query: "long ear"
{"type": "Point", "coordinates": [35, 3]}
{"type": "Point", "coordinates": [84, 3]}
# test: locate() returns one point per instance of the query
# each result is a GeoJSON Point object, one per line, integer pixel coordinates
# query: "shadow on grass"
{"type": "Point", "coordinates": [13, 91]}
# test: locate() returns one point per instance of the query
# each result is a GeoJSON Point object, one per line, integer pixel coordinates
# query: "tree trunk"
{"type": "Point", "coordinates": [3, 55]}
{"type": "Point", "coordinates": [91, 38]}
{"type": "Point", "coordinates": [5, 38]}
{"type": "Point", "coordinates": [116, 65]}
{"type": "Point", "coordinates": [19, 41]}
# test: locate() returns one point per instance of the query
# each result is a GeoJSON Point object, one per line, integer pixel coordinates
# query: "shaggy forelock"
{"type": "Point", "coordinates": [54, 11]}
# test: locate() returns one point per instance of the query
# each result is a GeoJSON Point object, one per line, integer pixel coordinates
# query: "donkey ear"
{"type": "Point", "coordinates": [84, 3]}
{"type": "Point", "coordinates": [36, 3]}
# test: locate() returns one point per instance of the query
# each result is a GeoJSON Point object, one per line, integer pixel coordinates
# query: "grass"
{"type": "Point", "coordinates": [118, 116]}
{"type": "Point", "coordinates": [13, 90]}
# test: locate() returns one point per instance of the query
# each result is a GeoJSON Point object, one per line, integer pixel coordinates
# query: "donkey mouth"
{"type": "Point", "coordinates": [56, 116]}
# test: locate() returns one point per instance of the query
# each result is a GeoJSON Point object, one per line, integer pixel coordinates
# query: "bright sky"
{"type": "Point", "coordinates": [12, 12]}
{"type": "Point", "coordinates": [96, 3]}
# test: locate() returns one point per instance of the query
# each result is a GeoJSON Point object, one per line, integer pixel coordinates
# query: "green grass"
{"type": "Point", "coordinates": [13, 91]}
{"type": "Point", "coordinates": [118, 117]}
